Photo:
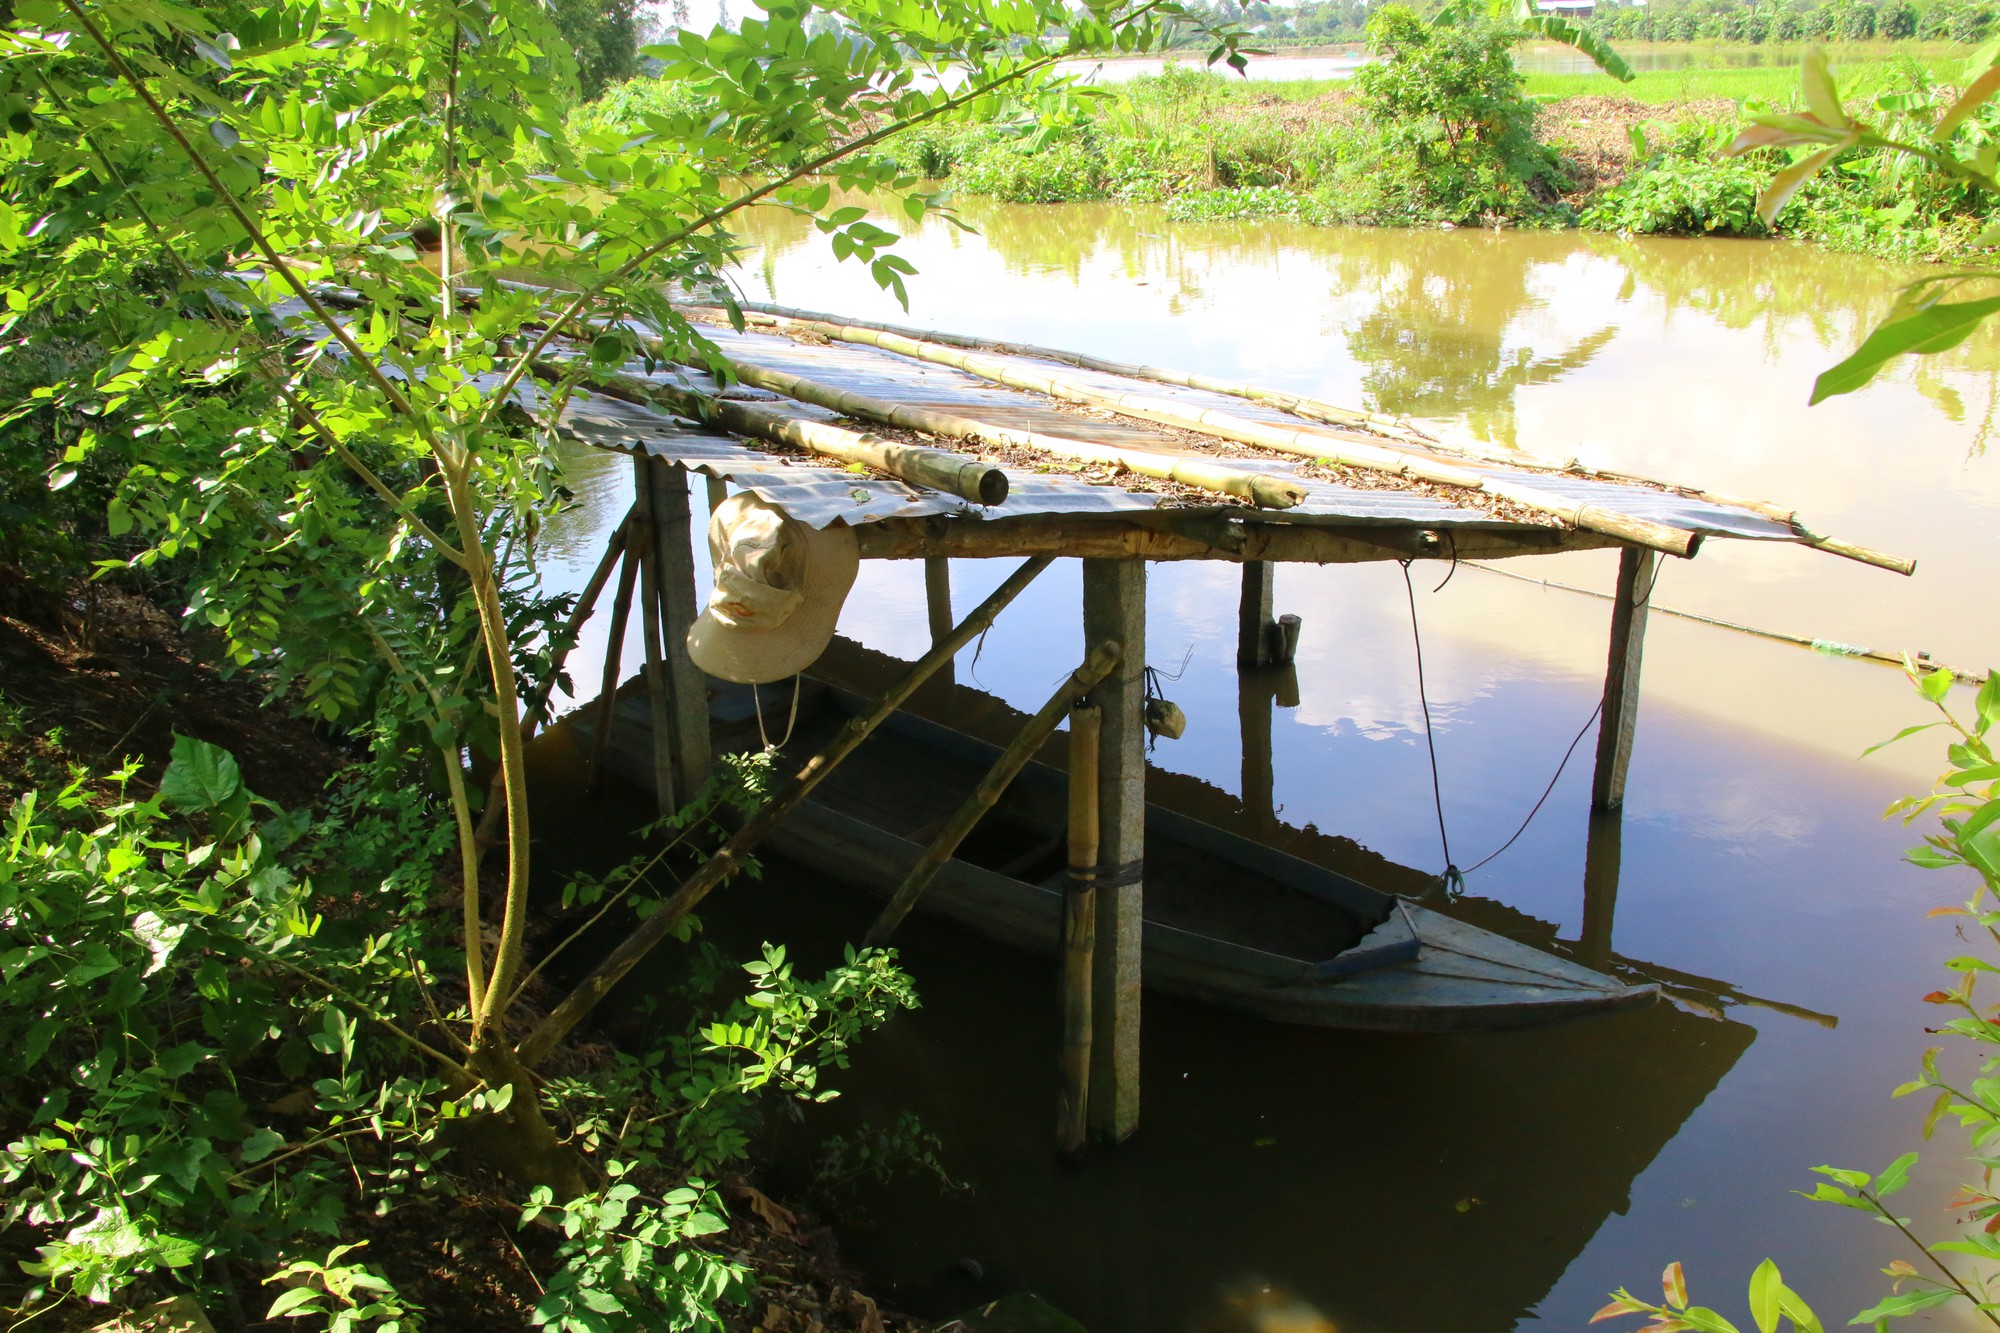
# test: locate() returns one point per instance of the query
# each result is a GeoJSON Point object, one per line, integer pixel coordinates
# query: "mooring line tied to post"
{"type": "Point", "coordinates": [1452, 881]}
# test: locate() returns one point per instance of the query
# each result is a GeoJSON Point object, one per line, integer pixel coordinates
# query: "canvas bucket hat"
{"type": "Point", "coordinates": [779, 586]}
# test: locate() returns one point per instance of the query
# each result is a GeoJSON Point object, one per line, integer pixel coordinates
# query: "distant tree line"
{"type": "Point", "coordinates": [1324, 22]}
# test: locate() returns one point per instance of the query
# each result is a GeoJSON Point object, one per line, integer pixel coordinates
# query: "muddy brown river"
{"type": "Point", "coordinates": [1365, 1182]}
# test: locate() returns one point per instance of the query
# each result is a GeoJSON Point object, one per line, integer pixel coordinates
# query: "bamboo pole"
{"type": "Point", "coordinates": [989, 791]}
{"type": "Point", "coordinates": [586, 605]}
{"type": "Point", "coordinates": [937, 469]}
{"type": "Point", "coordinates": [1262, 489]}
{"type": "Point", "coordinates": [1343, 447]}
{"type": "Point", "coordinates": [584, 996]}
{"type": "Point", "coordinates": [1825, 647]}
{"type": "Point", "coordinates": [1079, 941]}
{"type": "Point", "coordinates": [614, 652]}
{"type": "Point", "coordinates": [1314, 409]}
{"type": "Point", "coordinates": [1299, 405]}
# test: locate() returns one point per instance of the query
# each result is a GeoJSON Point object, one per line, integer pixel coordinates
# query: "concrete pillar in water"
{"type": "Point", "coordinates": [1114, 607]}
{"type": "Point", "coordinates": [1637, 569]}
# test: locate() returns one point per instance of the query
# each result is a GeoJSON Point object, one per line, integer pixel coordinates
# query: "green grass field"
{"type": "Point", "coordinates": [1778, 85]}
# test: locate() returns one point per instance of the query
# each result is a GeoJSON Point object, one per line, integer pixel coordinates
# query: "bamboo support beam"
{"type": "Point", "coordinates": [989, 791]}
{"type": "Point", "coordinates": [1079, 938]}
{"type": "Point", "coordinates": [1259, 488]}
{"type": "Point", "coordinates": [1343, 447]}
{"type": "Point", "coordinates": [586, 605]}
{"type": "Point", "coordinates": [586, 994]}
{"type": "Point", "coordinates": [936, 469]}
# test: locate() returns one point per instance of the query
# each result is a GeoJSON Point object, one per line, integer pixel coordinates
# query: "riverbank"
{"type": "Point", "coordinates": [100, 694]}
{"type": "Point", "coordinates": [1642, 158]}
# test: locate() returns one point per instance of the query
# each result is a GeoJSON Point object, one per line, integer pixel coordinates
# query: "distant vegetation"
{"type": "Point", "coordinates": [1442, 129]}
{"type": "Point", "coordinates": [1329, 22]}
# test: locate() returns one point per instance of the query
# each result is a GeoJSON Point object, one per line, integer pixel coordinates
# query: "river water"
{"type": "Point", "coordinates": [1477, 1183]}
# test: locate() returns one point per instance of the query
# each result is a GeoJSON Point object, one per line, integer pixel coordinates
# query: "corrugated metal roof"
{"type": "Point", "coordinates": [880, 374]}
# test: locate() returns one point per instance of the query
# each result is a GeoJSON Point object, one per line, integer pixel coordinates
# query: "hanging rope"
{"type": "Point", "coordinates": [1453, 879]}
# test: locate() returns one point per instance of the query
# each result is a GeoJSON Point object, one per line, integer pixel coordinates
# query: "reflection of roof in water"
{"type": "Point", "coordinates": [989, 718]}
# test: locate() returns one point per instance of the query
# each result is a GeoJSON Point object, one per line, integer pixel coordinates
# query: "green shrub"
{"type": "Point", "coordinates": [1456, 132]}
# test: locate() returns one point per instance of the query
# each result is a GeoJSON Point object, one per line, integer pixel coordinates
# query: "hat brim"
{"type": "Point", "coordinates": [758, 656]}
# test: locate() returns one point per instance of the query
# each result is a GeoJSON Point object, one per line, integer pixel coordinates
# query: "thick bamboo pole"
{"type": "Point", "coordinates": [1258, 488]}
{"type": "Point", "coordinates": [614, 652]}
{"type": "Point", "coordinates": [1079, 940]}
{"type": "Point", "coordinates": [989, 791]}
{"type": "Point", "coordinates": [1346, 448]}
{"type": "Point", "coordinates": [648, 933]}
{"type": "Point", "coordinates": [937, 469]}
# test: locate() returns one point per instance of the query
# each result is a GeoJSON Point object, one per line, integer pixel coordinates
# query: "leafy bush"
{"type": "Point", "coordinates": [1457, 133]}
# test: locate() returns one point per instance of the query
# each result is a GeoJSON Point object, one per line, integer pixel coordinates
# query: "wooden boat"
{"type": "Point", "coordinates": [1228, 920]}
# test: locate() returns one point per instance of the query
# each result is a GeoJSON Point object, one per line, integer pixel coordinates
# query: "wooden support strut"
{"type": "Point", "coordinates": [586, 994]}
{"type": "Point", "coordinates": [1079, 939]}
{"type": "Point", "coordinates": [1637, 572]}
{"type": "Point", "coordinates": [488, 831]}
{"type": "Point", "coordinates": [989, 791]}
